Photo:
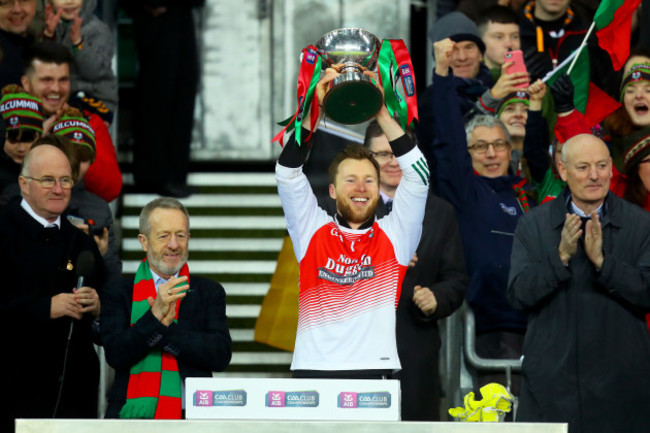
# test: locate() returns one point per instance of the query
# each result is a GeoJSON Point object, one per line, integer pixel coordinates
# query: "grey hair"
{"type": "Point", "coordinates": [487, 121]}
{"type": "Point", "coordinates": [144, 225]}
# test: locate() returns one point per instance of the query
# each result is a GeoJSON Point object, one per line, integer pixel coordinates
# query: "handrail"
{"type": "Point", "coordinates": [477, 361]}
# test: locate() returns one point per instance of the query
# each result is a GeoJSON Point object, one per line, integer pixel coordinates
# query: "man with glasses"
{"type": "Point", "coordinates": [161, 326]}
{"type": "Point", "coordinates": [472, 174]}
{"type": "Point", "coordinates": [51, 366]}
{"type": "Point", "coordinates": [433, 287]}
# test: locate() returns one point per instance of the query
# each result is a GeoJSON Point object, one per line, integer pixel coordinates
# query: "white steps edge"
{"type": "Point", "coordinates": [222, 179]}
{"type": "Point", "coordinates": [246, 289]}
{"type": "Point", "coordinates": [243, 311]}
{"type": "Point", "coordinates": [216, 266]}
{"type": "Point", "coordinates": [211, 200]}
{"type": "Point", "coordinates": [219, 244]}
{"type": "Point", "coordinates": [222, 222]}
{"type": "Point", "coordinates": [273, 358]}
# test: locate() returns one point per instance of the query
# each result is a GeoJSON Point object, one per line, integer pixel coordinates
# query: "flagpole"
{"type": "Point", "coordinates": [584, 42]}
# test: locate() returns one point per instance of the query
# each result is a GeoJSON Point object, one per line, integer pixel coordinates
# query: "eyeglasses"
{"type": "Point", "coordinates": [481, 146]}
{"type": "Point", "coordinates": [49, 182]}
{"type": "Point", "coordinates": [383, 156]}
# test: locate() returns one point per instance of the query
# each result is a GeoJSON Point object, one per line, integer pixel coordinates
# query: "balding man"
{"type": "Point", "coordinates": [49, 362]}
{"type": "Point", "coordinates": [581, 269]}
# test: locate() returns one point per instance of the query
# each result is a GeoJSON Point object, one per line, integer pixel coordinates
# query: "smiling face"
{"type": "Point", "coordinates": [636, 101]}
{"type": "Point", "coordinates": [499, 38]}
{"type": "Point", "coordinates": [514, 116]}
{"type": "Point", "coordinates": [50, 82]}
{"type": "Point", "coordinates": [492, 163]}
{"type": "Point", "coordinates": [466, 59]}
{"type": "Point", "coordinates": [389, 172]}
{"type": "Point", "coordinates": [70, 8]}
{"type": "Point", "coordinates": [17, 15]}
{"type": "Point", "coordinates": [167, 243]}
{"type": "Point", "coordinates": [587, 170]}
{"type": "Point", "coordinates": [356, 190]}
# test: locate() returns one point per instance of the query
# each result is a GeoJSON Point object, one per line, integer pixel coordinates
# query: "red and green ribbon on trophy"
{"type": "Point", "coordinates": [394, 64]}
{"type": "Point", "coordinates": [308, 76]}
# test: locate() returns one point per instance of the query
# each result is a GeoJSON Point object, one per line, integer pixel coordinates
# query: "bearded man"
{"type": "Point", "coordinates": [352, 264]}
{"type": "Point", "coordinates": [159, 328]}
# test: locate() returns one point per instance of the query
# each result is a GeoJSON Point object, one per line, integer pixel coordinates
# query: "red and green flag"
{"type": "Point", "coordinates": [588, 98]}
{"type": "Point", "coordinates": [613, 21]}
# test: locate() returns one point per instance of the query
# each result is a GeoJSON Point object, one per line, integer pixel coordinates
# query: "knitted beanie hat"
{"type": "Point", "coordinates": [21, 110]}
{"type": "Point", "coordinates": [512, 98]}
{"type": "Point", "coordinates": [457, 27]}
{"type": "Point", "coordinates": [75, 128]}
{"type": "Point", "coordinates": [636, 147]}
{"type": "Point", "coordinates": [638, 72]}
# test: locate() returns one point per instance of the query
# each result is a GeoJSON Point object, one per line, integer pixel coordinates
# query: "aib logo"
{"type": "Point", "coordinates": [203, 398]}
{"type": "Point", "coordinates": [292, 399]}
{"type": "Point", "coordinates": [348, 399]}
{"type": "Point", "coordinates": [275, 399]}
{"type": "Point", "coordinates": [220, 398]}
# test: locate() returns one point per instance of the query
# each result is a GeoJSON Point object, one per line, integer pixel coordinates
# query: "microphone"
{"type": "Point", "coordinates": [85, 265]}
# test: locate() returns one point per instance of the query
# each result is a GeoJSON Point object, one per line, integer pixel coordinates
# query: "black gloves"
{"type": "Point", "coordinates": [562, 91]}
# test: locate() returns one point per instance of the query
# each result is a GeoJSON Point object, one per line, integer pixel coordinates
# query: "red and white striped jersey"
{"type": "Point", "coordinates": [350, 279]}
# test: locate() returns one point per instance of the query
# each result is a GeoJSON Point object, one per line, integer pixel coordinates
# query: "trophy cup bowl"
{"type": "Point", "coordinates": [352, 97]}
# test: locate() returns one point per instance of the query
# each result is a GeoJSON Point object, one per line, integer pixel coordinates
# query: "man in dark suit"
{"type": "Point", "coordinates": [162, 327]}
{"type": "Point", "coordinates": [433, 288]}
{"type": "Point", "coordinates": [49, 361]}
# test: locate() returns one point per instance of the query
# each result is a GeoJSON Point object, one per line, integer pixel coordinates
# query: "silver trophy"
{"type": "Point", "coordinates": [352, 97]}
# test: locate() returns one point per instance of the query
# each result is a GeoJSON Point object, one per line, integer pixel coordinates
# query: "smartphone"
{"type": "Point", "coordinates": [518, 65]}
{"type": "Point", "coordinates": [75, 220]}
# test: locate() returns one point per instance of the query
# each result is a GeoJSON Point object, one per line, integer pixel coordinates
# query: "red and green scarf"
{"type": "Point", "coordinates": [154, 389]}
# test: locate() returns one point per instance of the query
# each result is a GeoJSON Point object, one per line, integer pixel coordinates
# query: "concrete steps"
{"type": "Point", "coordinates": [237, 228]}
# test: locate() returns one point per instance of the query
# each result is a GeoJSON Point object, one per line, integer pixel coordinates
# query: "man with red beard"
{"type": "Point", "coordinates": [351, 265]}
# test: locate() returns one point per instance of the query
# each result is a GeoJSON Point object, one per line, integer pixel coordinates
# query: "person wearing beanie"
{"type": "Point", "coordinates": [513, 112]}
{"type": "Point", "coordinates": [23, 117]}
{"type": "Point", "coordinates": [636, 160]}
{"type": "Point", "coordinates": [52, 60]}
{"type": "Point", "coordinates": [89, 212]}
{"type": "Point", "coordinates": [469, 75]}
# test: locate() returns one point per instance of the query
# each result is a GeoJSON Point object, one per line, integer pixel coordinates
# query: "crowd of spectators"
{"type": "Point", "coordinates": [495, 143]}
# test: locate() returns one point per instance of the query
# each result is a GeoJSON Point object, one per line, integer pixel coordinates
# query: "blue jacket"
{"type": "Point", "coordinates": [487, 210]}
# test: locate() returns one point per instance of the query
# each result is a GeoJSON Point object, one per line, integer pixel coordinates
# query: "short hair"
{"type": "Point", "coordinates": [351, 151]}
{"type": "Point", "coordinates": [144, 225]}
{"type": "Point", "coordinates": [496, 14]}
{"type": "Point", "coordinates": [487, 121]}
{"type": "Point", "coordinates": [46, 52]}
{"type": "Point", "coordinates": [22, 135]}
{"type": "Point", "coordinates": [373, 130]}
{"type": "Point", "coordinates": [66, 147]}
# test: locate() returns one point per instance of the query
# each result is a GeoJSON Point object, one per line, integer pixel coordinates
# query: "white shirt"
{"type": "Point", "coordinates": [39, 218]}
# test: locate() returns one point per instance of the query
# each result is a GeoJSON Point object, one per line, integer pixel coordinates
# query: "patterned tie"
{"type": "Point", "coordinates": [389, 205]}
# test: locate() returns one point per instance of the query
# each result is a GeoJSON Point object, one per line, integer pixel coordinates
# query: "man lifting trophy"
{"type": "Point", "coordinates": [367, 72]}
{"type": "Point", "coordinates": [351, 265]}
